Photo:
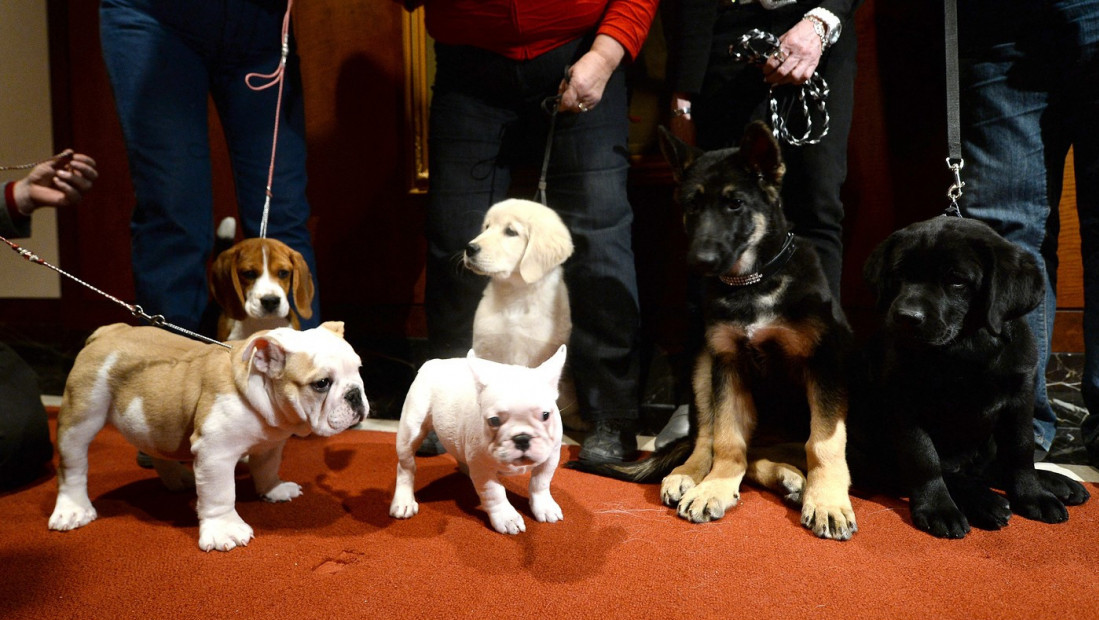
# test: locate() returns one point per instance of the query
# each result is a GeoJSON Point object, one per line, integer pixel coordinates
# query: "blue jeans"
{"type": "Point", "coordinates": [1030, 90]}
{"type": "Point", "coordinates": [486, 119]}
{"type": "Point", "coordinates": [164, 60]}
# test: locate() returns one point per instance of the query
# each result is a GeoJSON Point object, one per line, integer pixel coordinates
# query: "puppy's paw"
{"type": "Point", "coordinates": [941, 522]}
{"type": "Point", "coordinates": [833, 522]}
{"type": "Point", "coordinates": [1070, 492]}
{"type": "Point", "coordinates": [404, 505]}
{"type": "Point", "coordinates": [708, 501]}
{"type": "Point", "coordinates": [283, 492]}
{"type": "Point", "coordinates": [223, 533]}
{"type": "Point", "coordinates": [507, 520]}
{"type": "Point", "coordinates": [985, 509]}
{"type": "Point", "coordinates": [545, 509]}
{"type": "Point", "coordinates": [673, 487]}
{"type": "Point", "coordinates": [69, 515]}
{"type": "Point", "coordinates": [1042, 507]}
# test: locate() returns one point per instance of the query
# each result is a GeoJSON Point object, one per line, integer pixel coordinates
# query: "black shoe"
{"type": "Point", "coordinates": [431, 446]}
{"type": "Point", "coordinates": [610, 441]}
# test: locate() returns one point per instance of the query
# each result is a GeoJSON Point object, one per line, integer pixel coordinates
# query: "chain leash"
{"type": "Point", "coordinates": [756, 46]}
{"type": "Point", "coordinates": [136, 310]}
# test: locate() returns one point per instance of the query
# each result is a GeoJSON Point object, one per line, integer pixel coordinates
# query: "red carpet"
{"type": "Point", "coordinates": [335, 553]}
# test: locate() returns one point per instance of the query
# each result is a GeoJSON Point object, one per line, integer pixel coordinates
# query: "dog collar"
{"type": "Point", "coordinates": [771, 268]}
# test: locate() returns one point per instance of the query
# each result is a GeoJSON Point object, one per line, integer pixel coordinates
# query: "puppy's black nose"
{"type": "Point", "coordinates": [472, 249]}
{"type": "Point", "coordinates": [908, 318]}
{"type": "Point", "coordinates": [270, 303]}
{"type": "Point", "coordinates": [521, 441]}
{"type": "Point", "coordinates": [354, 397]}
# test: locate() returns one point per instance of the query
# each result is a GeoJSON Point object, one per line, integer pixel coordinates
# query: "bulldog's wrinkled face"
{"type": "Point", "coordinates": [312, 375]}
{"type": "Point", "coordinates": [524, 428]}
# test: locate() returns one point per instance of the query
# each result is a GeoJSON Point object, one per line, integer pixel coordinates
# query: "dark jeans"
{"type": "Point", "coordinates": [486, 119]}
{"type": "Point", "coordinates": [164, 60]}
{"type": "Point", "coordinates": [734, 94]}
{"type": "Point", "coordinates": [1030, 90]}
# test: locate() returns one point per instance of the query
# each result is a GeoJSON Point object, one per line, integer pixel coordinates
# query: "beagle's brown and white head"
{"type": "Point", "coordinates": [254, 281]}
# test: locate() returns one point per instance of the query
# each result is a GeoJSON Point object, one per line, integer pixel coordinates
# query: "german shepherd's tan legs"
{"type": "Point", "coordinates": [826, 505]}
{"type": "Point", "coordinates": [708, 484]}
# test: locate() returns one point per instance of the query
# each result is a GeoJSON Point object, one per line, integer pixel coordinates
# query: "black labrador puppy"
{"type": "Point", "coordinates": [942, 398]}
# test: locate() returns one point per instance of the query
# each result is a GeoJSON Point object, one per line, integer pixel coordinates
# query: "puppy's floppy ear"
{"type": "Point", "coordinates": [678, 153]}
{"type": "Point", "coordinates": [551, 368]}
{"type": "Point", "coordinates": [335, 327]}
{"type": "Point", "coordinates": [548, 244]}
{"type": "Point", "coordinates": [878, 270]}
{"type": "Point", "coordinates": [302, 285]}
{"type": "Point", "coordinates": [225, 285]}
{"type": "Point", "coordinates": [1013, 284]}
{"type": "Point", "coordinates": [761, 152]}
{"type": "Point", "coordinates": [266, 355]}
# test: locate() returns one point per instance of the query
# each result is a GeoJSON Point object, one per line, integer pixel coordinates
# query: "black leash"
{"type": "Point", "coordinates": [954, 160]}
{"type": "Point", "coordinates": [549, 106]}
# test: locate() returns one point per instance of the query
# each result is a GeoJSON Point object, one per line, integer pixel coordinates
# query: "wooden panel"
{"type": "Point", "coordinates": [1068, 328]}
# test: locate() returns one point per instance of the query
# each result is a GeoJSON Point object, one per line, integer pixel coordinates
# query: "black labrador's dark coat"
{"type": "Point", "coordinates": [942, 399]}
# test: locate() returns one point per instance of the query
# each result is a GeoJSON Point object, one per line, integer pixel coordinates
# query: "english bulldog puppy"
{"type": "Point", "coordinates": [496, 420]}
{"type": "Point", "coordinates": [177, 399]}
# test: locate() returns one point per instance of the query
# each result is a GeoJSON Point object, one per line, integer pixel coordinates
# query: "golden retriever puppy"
{"type": "Point", "coordinates": [523, 316]}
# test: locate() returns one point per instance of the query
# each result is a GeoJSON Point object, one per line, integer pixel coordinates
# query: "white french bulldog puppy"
{"type": "Point", "coordinates": [497, 420]}
{"type": "Point", "coordinates": [177, 399]}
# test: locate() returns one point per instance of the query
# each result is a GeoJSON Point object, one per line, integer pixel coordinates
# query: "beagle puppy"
{"type": "Point", "coordinates": [253, 282]}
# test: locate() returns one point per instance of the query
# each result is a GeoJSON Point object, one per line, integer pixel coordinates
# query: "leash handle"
{"type": "Point", "coordinates": [276, 78]}
{"type": "Point", "coordinates": [756, 46]}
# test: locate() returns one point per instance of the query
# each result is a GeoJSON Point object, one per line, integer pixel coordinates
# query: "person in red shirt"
{"type": "Point", "coordinates": [497, 61]}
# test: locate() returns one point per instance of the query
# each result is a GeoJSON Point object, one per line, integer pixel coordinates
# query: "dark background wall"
{"type": "Point", "coordinates": [367, 225]}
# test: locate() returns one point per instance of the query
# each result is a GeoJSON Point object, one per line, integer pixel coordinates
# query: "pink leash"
{"type": "Point", "coordinates": [278, 77]}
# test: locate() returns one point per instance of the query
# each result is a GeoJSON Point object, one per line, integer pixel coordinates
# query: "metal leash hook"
{"type": "Point", "coordinates": [955, 190]}
{"type": "Point", "coordinates": [157, 320]}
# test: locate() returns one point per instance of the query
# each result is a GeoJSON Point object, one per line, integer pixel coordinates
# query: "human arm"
{"type": "Point", "coordinates": [802, 46]}
{"type": "Point", "coordinates": [689, 28]}
{"type": "Point", "coordinates": [59, 182]}
{"type": "Point", "coordinates": [620, 35]}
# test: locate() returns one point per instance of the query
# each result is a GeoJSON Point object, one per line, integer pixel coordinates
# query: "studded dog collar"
{"type": "Point", "coordinates": [771, 268]}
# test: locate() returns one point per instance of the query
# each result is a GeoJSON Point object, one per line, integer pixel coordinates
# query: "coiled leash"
{"type": "Point", "coordinates": [276, 78]}
{"type": "Point", "coordinates": [756, 47]}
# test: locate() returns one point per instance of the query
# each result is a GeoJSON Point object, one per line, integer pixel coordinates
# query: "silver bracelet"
{"type": "Point", "coordinates": [820, 28]}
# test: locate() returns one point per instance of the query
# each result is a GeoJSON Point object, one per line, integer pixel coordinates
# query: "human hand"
{"type": "Point", "coordinates": [583, 90]}
{"type": "Point", "coordinates": [680, 123]}
{"type": "Point", "coordinates": [60, 182]}
{"type": "Point", "coordinates": [799, 54]}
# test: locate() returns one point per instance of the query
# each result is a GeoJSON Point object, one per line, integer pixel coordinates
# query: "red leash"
{"type": "Point", "coordinates": [275, 78]}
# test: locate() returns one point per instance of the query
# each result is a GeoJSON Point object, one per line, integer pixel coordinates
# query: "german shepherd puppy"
{"type": "Point", "coordinates": [772, 362]}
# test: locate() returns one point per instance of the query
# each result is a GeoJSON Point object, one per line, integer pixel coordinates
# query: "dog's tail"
{"type": "Point", "coordinates": [225, 236]}
{"type": "Point", "coordinates": [650, 469]}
